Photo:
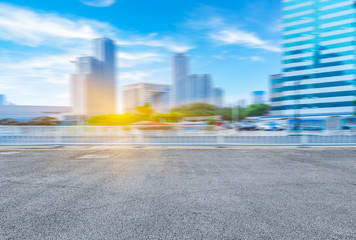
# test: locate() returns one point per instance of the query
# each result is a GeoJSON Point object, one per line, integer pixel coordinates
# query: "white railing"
{"type": "Point", "coordinates": [93, 135]}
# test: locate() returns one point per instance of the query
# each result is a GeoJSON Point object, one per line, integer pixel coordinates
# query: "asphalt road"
{"type": "Point", "coordinates": [279, 193]}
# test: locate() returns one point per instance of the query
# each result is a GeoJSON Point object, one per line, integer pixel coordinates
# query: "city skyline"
{"type": "Point", "coordinates": [37, 61]}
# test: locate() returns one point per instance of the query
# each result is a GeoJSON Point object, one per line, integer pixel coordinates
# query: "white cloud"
{"type": "Point", "coordinates": [225, 31]}
{"type": "Point", "coordinates": [63, 96]}
{"type": "Point", "coordinates": [135, 76]}
{"type": "Point", "coordinates": [257, 59]}
{"type": "Point", "coordinates": [52, 69]}
{"type": "Point", "coordinates": [156, 41]}
{"type": "Point", "coordinates": [98, 3]}
{"type": "Point", "coordinates": [30, 28]}
{"type": "Point", "coordinates": [27, 27]}
{"type": "Point", "coordinates": [251, 58]}
{"type": "Point", "coordinates": [127, 60]}
{"type": "Point", "coordinates": [239, 37]}
{"type": "Point", "coordinates": [156, 75]}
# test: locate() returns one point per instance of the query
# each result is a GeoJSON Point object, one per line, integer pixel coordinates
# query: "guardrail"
{"type": "Point", "coordinates": [88, 135]}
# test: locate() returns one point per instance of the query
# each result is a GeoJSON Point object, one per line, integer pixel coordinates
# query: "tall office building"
{"type": "Point", "coordinates": [218, 96]}
{"type": "Point", "coordinates": [318, 59]}
{"type": "Point", "coordinates": [199, 89]}
{"type": "Point", "coordinates": [258, 97]}
{"type": "Point", "coordinates": [94, 84]}
{"type": "Point", "coordinates": [180, 71]}
{"type": "Point", "coordinates": [157, 95]}
{"type": "Point", "coordinates": [275, 82]}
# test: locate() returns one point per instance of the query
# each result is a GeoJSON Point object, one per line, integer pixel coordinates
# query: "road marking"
{"type": "Point", "coordinates": [94, 156]}
{"type": "Point", "coordinates": [9, 153]}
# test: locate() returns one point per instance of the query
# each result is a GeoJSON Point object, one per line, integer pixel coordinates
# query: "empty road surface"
{"type": "Point", "coordinates": [165, 193]}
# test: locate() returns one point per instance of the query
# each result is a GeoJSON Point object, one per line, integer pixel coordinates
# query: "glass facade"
{"type": "Point", "coordinates": [180, 68]}
{"type": "Point", "coordinates": [199, 89]}
{"type": "Point", "coordinates": [319, 51]}
{"type": "Point", "coordinates": [94, 85]}
{"type": "Point", "coordinates": [218, 96]}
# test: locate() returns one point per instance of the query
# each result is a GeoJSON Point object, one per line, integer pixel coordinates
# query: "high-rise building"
{"type": "Point", "coordinates": [258, 97]}
{"type": "Point", "coordinates": [180, 71]}
{"type": "Point", "coordinates": [2, 99]}
{"type": "Point", "coordinates": [275, 82]}
{"type": "Point", "coordinates": [199, 89]}
{"type": "Point", "coordinates": [218, 96]}
{"type": "Point", "coordinates": [94, 84]}
{"type": "Point", "coordinates": [157, 95]}
{"type": "Point", "coordinates": [319, 53]}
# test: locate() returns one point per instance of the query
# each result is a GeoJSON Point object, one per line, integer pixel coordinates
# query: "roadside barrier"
{"type": "Point", "coordinates": [88, 135]}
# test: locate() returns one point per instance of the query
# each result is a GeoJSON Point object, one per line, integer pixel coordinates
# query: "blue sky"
{"type": "Point", "coordinates": [237, 41]}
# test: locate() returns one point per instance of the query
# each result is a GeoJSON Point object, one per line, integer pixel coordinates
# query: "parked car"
{"type": "Point", "coordinates": [246, 126]}
{"type": "Point", "coordinates": [270, 126]}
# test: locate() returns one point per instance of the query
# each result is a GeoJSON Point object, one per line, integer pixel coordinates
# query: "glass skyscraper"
{"type": "Point", "coordinates": [199, 89]}
{"type": "Point", "coordinates": [94, 85]}
{"type": "Point", "coordinates": [218, 96]}
{"type": "Point", "coordinates": [319, 51]}
{"type": "Point", "coordinates": [180, 70]}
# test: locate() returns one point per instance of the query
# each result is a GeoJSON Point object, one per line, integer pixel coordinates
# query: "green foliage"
{"type": "Point", "coordinates": [203, 109]}
{"type": "Point", "coordinates": [171, 117]}
{"type": "Point", "coordinates": [256, 110]}
{"type": "Point", "coordinates": [225, 113]}
{"type": "Point", "coordinates": [197, 110]}
{"type": "Point", "coordinates": [146, 113]}
{"type": "Point", "coordinates": [211, 121]}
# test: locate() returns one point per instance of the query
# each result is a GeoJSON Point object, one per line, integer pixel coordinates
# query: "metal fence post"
{"type": "Point", "coordinates": [138, 139]}
{"type": "Point", "coordinates": [220, 141]}
{"type": "Point", "coordinates": [304, 141]}
{"type": "Point", "coordinates": [58, 137]}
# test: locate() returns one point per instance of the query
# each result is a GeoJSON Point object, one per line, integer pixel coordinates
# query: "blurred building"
{"type": "Point", "coordinates": [157, 95]}
{"type": "Point", "coordinates": [199, 89]}
{"type": "Point", "coordinates": [275, 83]}
{"type": "Point", "coordinates": [180, 71]}
{"type": "Point", "coordinates": [258, 97]}
{"type": "Point", "coordinates": [23, 113]}
{"type": "Point", "coordinates": [94, 85]}
{"type": "Point", "coordinates": [218, 96]}
{"type": "Point", "coordinates": [2, 99]}
{"type": "Point", "coordinates": [319, 59]}
{"type": "Point", "coordinates": [192, 88]}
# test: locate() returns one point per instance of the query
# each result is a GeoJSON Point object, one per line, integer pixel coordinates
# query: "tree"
{"type": "Point", "coordinates": [197, 109]}
{"type": "Point", "coordinates": [45, 120]}
{"type": "Point", "coordinates": [169, 117]}
{"type": "Point", "coordinates": [145, 111]}
{"type": "Point", "coordinates": [225, 113]}
{"type": "Point", "coordinates": [256, 110]}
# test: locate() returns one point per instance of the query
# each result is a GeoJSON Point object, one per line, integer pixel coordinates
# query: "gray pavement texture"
{"type": "Point", "coordinates": [277, 193]}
